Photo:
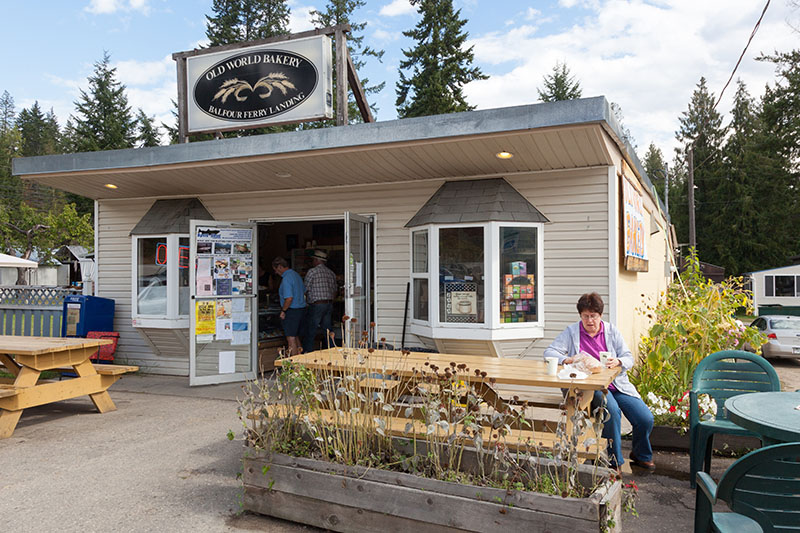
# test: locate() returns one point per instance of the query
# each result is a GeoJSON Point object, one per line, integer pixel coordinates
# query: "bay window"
{"type": "Point", "coordinates": [160, 280]}
{"type": "Point", "coordinates": [486, 278]}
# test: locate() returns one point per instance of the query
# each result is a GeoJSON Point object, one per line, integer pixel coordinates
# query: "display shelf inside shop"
{"type": "Point", "coordinates": [519, 299]}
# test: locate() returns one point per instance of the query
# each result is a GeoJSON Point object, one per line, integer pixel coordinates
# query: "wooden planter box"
{"type": "Point", "coordinates": [670, 439]}
{"type": "Point", "coordinates": [343, 498]}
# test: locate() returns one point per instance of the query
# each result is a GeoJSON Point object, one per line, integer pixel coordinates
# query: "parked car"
{"type": "Point", "coordinates": [783, 333]}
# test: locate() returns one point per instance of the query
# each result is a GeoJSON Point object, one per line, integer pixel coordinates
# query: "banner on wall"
{"type": "Point", "coordinates": [634, 236]}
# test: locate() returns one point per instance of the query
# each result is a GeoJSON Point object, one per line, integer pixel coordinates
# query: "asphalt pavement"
{"type": "Point", "coordinates": [162, 462]}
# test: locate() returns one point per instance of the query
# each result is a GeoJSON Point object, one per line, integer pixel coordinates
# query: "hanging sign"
{"type": "Point", "coordinates": [246, 87]}
{"type": "Point", "coordinates": [634, 235]}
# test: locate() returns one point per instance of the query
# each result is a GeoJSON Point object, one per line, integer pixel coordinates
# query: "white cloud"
{"type": "Point", "coordinates": [300, 18]}
{"type": "Point", "coordinates": [532, 13]}
{"type": "Point", "coordinates": [386, 36]}
{"type": "Point", "coordinates": [134, 72]}
{"type": "Point", "coordinates": [647, 58]}
{"type": "Point", "coordinates": [106, 7]}
{"type": "Point", "coordinates": [396, 8]}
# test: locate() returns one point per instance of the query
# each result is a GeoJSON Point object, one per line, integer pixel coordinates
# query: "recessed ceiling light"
{"type": "Point", "coordinates": [111, 186]}
{"type": "Point", "coordinates": [283, 174]}
{"type": "Point", "coordinates": [504, 155]}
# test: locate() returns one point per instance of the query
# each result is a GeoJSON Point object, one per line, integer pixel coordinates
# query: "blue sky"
{"type": "Point", "coordinates": [647, 56]}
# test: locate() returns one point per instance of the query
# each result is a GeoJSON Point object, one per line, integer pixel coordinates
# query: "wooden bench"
{"type": "Point", "coordinates": [103, 370]}
{"type": "Point", "coordinates": [541, 436]}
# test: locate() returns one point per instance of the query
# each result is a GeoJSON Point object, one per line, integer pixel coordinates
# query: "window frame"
{"type": "Point", "coordinates": [172, 318]}
{"type": "Point", "coordinates": [491, 328]}
{"type": "Point", "coordinates": [420, 275]}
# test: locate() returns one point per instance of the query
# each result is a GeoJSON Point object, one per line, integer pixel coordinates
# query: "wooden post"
{"type": "Point", "coordinates": [341, 79]}
{"type": "Point", "coordinates": [182, 107]}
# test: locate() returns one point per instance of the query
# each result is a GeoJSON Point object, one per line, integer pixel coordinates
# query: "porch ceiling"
{"type": "Point", "coordinates": [541, 137]}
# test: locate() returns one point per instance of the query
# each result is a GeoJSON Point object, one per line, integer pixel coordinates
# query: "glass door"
{"type": "Point", "coordinates": [358, 274]}
{"type": "Point", "coordinates": [223, 306]}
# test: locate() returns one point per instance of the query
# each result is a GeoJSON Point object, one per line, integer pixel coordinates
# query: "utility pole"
{"type": "Point", "coordinates": [692, 238]}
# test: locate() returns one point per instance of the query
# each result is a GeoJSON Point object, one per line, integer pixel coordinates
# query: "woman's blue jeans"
{"type": "Point", "coordinates": [640, 417]}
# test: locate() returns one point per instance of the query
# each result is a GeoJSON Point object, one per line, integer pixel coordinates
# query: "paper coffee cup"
{"type": "Point", "coordinates": [552, 365]}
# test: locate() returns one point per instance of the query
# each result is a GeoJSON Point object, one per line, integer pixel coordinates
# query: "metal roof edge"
{"type": "Point", "coordinates": [487, 121]}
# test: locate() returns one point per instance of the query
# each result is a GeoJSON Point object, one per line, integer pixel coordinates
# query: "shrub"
{"type": "Point", "coordinates": [695, 319]}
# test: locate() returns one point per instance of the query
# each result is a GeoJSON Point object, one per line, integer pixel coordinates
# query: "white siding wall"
{"type": "Point", "coordinates": [759, 294]}
{"type": "Point", "coordinates": [575, 247]}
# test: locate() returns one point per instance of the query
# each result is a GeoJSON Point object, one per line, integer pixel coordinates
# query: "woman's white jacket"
{"type": "Point", "coordinates": [568, 343]}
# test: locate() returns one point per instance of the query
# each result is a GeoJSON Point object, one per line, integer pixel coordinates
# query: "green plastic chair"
{"type": "Point", "coordinates": [722, 375]}
{"type": "Point", "coordinates": [762, 489]}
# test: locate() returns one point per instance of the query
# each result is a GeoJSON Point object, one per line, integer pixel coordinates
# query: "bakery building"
{"type": "Point", "coordinates": [468, 233]}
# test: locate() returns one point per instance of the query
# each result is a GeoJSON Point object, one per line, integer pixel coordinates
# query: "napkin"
{"type": "Point", "coordinates": [568, 369]}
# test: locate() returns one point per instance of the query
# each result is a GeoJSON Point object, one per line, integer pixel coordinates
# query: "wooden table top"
{"type": "Point", "coordinates": [17, 345]}
{"type": "Point", "coordinates": [529, 372]}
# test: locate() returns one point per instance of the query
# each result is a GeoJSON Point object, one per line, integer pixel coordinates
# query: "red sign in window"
{"type": "Point", "coordinates": [161, 253]}
{"type": "Point", "coordinates": [183, 257]}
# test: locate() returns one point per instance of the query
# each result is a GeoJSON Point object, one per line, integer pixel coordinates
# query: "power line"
{"type": "Point", "coordinates": [752, 34]}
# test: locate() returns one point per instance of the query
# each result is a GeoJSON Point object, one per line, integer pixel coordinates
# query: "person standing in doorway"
{"type": "Point", "coordinates": [321, 289]}
{"type": "Point", "coordinates": [293, 303]}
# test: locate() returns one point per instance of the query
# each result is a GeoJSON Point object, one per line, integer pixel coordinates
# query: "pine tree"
{"type": "Point", "coordinates": [39, 132]}
{"type": "Point", "coordinates": [39, 136]}
{"type": "Point", "coordinates": [246, 20]}
{"type": "Point", "coordinates": [438, 66]}
{"type": "Point", "coordinates": [701, 128]}
{"type": "Point", "coordinates": [559, 85]}
{"type": "Point", "coordinates": [655, 167]}
{"type": "Point", "coordinates": [10, 186]}
{"type": "Point", "coordinates": [148, 132]}
{"type": "Point", "coordinates": [103, 120]}
{"type": "Point", "coordinates": [343, 12]}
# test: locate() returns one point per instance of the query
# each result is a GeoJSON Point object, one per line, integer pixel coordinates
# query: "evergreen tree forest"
{"type": "Point", "coordinates": [746, 173]}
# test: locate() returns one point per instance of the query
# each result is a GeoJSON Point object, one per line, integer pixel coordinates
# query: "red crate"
{"type": "Point", "coordinates": [105, 352]}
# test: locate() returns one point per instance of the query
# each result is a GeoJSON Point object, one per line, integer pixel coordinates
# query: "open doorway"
{"type": "Point", "coordinates": [295, 241]}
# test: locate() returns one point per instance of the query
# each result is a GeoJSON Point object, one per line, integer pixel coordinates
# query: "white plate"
{"type": "Point", "coordinates": [567, 370]}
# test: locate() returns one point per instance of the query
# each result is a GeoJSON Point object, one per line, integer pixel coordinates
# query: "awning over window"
{"type": "Point", "coordinates": [476, 201]}
{"type": "Point", "coordinates": [171, 216]}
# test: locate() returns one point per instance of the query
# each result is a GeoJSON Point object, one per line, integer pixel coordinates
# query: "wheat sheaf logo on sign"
{"type": "Point", "coordinates": [235, 87]}
{"type": "Point", "coordinates": [282, 80]}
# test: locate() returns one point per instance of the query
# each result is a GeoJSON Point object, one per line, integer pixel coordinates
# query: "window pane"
{"type": "Point", "coordinates": [419, 251]}
{"type": "Point", "coordinates": [518, 278]}
{"type": "Point", "coordinates": [461, 275]}
{"type": "Point", "coordinates": [183, 276]}
{"type": "Point", "coordinates": [784, 286]}
{"type": "Point", "coordinates": [152, 272]}
{"type": "Point", "coordinates": [768, 286]}
{"type": "Point", "coordinates": [421, 299]}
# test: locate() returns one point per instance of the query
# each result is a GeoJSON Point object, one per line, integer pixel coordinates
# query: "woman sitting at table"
{"type": "Point", "coordinates": [592, 335]}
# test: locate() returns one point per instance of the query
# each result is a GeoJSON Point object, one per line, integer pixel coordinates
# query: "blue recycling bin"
{"type": "Point", "coordinates": [83, 314]}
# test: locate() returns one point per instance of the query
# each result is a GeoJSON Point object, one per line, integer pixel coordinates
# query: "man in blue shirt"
{"type": "Point", "coordinates": [293, 303]}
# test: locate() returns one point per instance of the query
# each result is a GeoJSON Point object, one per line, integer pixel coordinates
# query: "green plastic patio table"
{"type": "Point", "coordinates": [773, 415]}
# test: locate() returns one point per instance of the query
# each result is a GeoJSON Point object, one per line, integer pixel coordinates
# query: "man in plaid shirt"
{"type": "Point", "coordinates": [321, 289]}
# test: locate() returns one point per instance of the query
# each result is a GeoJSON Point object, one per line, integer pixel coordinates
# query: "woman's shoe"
{"type": "Point", "coordinates": [649, 465]}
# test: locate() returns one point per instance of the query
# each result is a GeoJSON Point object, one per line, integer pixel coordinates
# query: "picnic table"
{"type": "Point", "coordinates": [27, 357]}
{"type": "Point", "coordinates": [494, 373]}
{"type": "Point", "coordinates": [772, 415]}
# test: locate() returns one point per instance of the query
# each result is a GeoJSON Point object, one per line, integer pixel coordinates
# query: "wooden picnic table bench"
{"type": "Point", "coordinates": [27, 357]}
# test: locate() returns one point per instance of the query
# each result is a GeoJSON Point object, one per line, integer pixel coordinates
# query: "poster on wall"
{"type": "Point", "coordinates": [205, 317]}
{"type": "Point", "coordinates": [224, 264]}
{"type": "Point", "coordinates": [461, 301]}
{"type": "Point", "coordinates": [634, 236]}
